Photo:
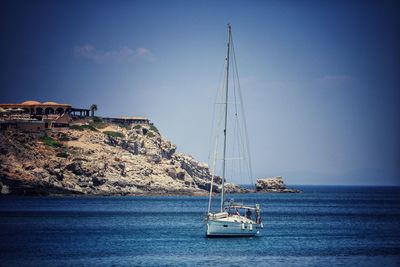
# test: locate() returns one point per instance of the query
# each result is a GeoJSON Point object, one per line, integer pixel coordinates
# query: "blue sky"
{"type": "Point", "coordinates": [320, 78]}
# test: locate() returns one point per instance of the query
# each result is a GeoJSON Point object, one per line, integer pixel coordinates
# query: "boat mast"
{"type": "Point", "coordinates": [226, 115]}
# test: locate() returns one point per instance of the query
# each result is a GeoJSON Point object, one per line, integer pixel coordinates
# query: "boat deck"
{"type": "Point", "coordinates": [236, 218]}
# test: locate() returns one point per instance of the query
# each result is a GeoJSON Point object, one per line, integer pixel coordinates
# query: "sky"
{"type": "Point", "coordinates": [320, 79]}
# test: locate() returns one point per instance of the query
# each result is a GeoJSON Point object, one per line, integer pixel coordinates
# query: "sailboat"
{"type": "Point", "coordinates": [233, 219]}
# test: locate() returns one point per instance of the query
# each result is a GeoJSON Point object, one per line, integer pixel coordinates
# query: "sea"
{"type": "Point", "coordinates": [323, 226]}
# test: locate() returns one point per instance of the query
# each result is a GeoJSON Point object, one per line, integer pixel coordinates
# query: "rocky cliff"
{"type": "Point", "coordinates": [103, 160]}
{"type": "Point", "coordinates": [273, 185]}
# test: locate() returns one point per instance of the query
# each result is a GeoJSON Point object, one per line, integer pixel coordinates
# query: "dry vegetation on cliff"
{"type": "Point", "coordinates": [109, 159]}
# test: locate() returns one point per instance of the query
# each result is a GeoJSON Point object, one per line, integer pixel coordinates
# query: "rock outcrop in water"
{"type": "Point", "coordinates": [273, 185]}
{"type": "Point", "coordinates": [108, 161]}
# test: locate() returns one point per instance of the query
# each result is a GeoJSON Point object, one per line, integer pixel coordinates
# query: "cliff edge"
{"type": "Point", "coordinates": [99, 159]}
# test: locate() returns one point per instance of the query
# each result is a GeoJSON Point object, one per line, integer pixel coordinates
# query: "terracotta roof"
{"type": "Point", "coordinates": [31, 102]}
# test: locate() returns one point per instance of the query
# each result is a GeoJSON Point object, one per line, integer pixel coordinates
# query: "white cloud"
{"type": "Point", "coordinates": [122, 54]}
{"type": "Point", "coordinates": [145, 54]}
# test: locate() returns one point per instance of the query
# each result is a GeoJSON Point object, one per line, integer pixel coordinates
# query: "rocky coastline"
{"type": "Point", "coordinates": [274, 185]}
{"type": "Point", "coordinates": [102, 159]}
{"type": "Point", "coordinates": [99, 159]}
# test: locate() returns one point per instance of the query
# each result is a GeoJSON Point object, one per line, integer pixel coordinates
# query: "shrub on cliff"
{"type": "Point", "coordinates": [150, 134]}
{"type": "Point", "coordinates": [82, 127]}
{"type": "Point", "coordinates": [125, 126]}
{"type": "Point", "coordinates": [48, 141]}
{"type": "Point", "coordinates": [154, 129]}
{"type": "Point", "coordinates": [62, 155]}
{"type": "Point", "coordinates": [114, 134]}
{"type": "Point", "coordinates": [98, 125]}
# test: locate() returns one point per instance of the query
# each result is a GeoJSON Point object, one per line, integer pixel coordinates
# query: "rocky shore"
{"type": "Point", "coordinates": [108, 160]}
{"type": "Point", "coordinates": [273, 185]}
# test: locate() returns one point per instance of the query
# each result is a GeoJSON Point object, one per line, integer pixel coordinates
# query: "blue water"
{"type": "Point", "coordinates": [324, 226]}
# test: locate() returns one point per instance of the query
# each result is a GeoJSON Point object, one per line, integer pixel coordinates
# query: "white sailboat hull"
{"type": "Point", "coordinates": [223, 228]}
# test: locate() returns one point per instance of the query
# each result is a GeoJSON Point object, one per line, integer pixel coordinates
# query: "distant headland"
{"type": "Point", "coordinates": [55, 149]}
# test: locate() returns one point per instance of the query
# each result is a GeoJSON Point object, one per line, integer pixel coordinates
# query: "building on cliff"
{"type": "Point", "coordinates": [35, 108]}
{"type": "Point", "coordinates": [128, 120]}
{"type": "Point", "coordinates": [33, 115]}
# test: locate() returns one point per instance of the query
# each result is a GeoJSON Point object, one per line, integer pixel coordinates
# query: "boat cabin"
{"type": "Point", "coordinates": [250, 212]}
